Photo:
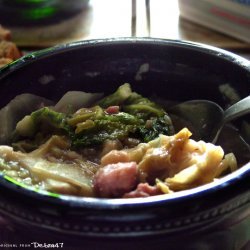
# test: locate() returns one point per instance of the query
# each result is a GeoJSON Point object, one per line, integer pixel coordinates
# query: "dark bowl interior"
{"type": "Point", "coordinates": [175, 71]}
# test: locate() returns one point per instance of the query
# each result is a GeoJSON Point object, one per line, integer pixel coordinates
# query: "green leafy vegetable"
{"type": "Point", "coordinates": [117, 98]}
{"type": "Point", "coordinates": [143, 107]}
{"type": "Point", "coordinates": [116, 126]}
{"type": "Point", "coordinates": [44, 118]}
{"type": "Point", "coordinates": [159, 125]}
{"type": "Point", "coordinates": [35, 128]}
{"type": "Point", "coordinates": [137, 117]}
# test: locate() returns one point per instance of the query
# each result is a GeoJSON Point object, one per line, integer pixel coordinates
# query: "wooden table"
{"type": "Point", "coordinates": [125, 18]}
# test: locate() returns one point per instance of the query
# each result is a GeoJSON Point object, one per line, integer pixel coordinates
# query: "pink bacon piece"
{"type": "Point", "coordinates": [114, 180]}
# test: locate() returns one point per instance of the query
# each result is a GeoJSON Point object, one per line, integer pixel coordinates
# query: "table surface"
{"type": "Point", "coordinates": [126, 18]}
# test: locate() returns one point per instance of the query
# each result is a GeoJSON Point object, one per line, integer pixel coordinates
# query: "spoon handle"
{"type": "Point", "coordinates": [238, 109]}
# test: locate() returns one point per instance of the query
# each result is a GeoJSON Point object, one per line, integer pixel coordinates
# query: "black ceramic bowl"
{"type": "Point", "coordinates": [213, 216]}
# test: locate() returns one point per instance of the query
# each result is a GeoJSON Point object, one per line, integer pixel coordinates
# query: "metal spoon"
{"type": "Point", "coordinates": [207, 118]}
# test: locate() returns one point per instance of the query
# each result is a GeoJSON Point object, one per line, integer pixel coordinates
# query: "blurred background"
{"type": "Point", "coordinates": [36, 24]}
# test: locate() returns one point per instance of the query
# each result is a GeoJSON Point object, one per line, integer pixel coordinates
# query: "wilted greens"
{"type": "Point", "coordinates": [121, 115]}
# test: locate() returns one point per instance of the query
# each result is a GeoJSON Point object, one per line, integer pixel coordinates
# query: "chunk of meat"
{"type": "Point", "coordinates": [114, 180]}
{"type": "Point", "coordinates": [143, 190]}
{"type": "Point", "coordinates": [113, 109]}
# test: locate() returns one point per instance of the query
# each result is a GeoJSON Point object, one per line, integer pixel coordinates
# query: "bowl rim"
{"type": "Point", "coordinates": [107, 203]}
{"type": "Point", "coordinates": [50, 51]}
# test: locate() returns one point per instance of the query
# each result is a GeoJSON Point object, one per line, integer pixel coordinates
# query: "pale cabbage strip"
{"type": "Point", "coordinates": [74, 100]}
{"type": "Point", "coordinates": [52, 167]}
{"type": "Point", "coordinates": [15, 110]}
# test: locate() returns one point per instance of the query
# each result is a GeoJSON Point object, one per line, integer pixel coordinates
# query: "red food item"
{"type": "Point", "coordinates": [143, 190]}
{"type": "Point", "coordinates": [114, 180]}
{"type": "Point", "coordinates": [113, 110]}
